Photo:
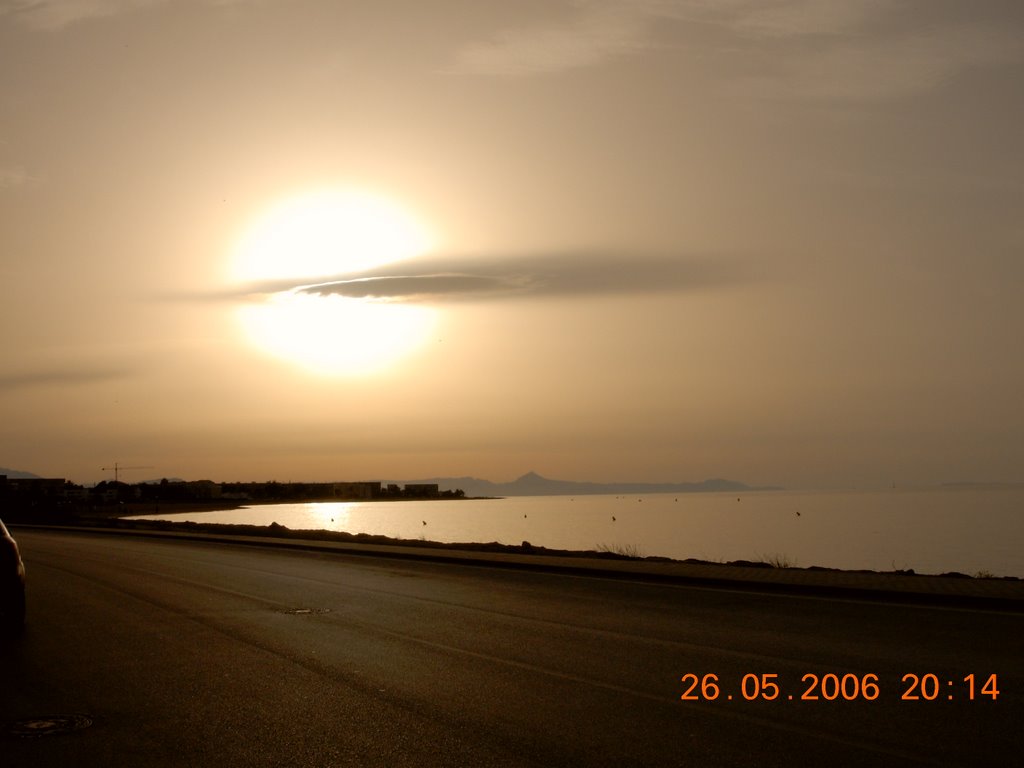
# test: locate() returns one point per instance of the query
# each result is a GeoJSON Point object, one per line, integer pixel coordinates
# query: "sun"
{"type": "Point", "coordinates": [325, 233]}
{"type": "Point", "coordinates": [318, 236]}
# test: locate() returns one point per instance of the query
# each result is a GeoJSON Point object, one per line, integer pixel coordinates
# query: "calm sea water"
{"type": "Point", "coordinates": [931, 531]}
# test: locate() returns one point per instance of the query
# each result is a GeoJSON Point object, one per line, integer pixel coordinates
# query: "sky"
{"type": "Point", "coordinates": [777, 241]}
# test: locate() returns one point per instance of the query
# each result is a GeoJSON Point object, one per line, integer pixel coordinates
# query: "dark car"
{"type": "Point", "coordinates": [12, 581]}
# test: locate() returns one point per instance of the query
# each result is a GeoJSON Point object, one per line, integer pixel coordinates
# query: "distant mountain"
{"type": "Point", "coordinates": [16, 474]}
{"type": "Point", "coordinates": [532, 484]}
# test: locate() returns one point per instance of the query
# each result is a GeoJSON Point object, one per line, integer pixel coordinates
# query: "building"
{"type": "Point", "coordinates": [31, 488]}
{"type": "Point", "coordinates": [422, 490]}
{"type": "Point", "coordinates": [361, 490]}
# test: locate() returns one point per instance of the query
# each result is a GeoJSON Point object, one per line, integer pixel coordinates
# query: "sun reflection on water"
{"type": "Point", "coordinates": [330, 516]}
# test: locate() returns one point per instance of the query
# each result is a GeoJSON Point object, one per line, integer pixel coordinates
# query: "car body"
{"type": "Point", "coordinates": [12, 581]}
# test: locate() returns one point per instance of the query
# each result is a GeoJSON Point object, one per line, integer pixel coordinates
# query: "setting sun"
{"type": "Point", "coordinates": [326, 233]}
{"type": "Point", "coordinates": [333, 336]}
{"type": "Point", "coordinates": [318, 236]}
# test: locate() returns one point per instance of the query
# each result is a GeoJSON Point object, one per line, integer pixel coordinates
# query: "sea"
{"type": "Point", "coordinates": [971, 530]}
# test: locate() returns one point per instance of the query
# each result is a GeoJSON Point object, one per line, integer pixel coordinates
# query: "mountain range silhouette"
{"type": "Point", "coordinates": [533, 484]}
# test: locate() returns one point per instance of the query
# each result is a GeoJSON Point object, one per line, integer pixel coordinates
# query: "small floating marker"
{"type": "Point", "coordinates": [613, 518]}
{"type": "Point", "coordinates": [424, 522]}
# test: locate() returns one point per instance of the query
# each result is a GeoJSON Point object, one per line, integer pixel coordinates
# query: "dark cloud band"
{"type": "Point", "coordinates": [442, 279]}
{"type": "Point", "coordinates": [59, 378]}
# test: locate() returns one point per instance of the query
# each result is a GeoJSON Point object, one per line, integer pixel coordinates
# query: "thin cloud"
{"type": "Point", "coordinates": [57, 14]}
{"type": "Point", "coordinates": [11, 178]}
{"type": "Point", "coordinates": [598, 32]}
{"type": "Point", "coordinates": [51, 377]}
{"type": "Point", "coordinates": [894, 67]}
{"type": "Point", "coordinates": [858, 50]}
{"type": "Point", "coordinates": [415, 287]}
{"type": "Point", "coordinates": [448, 279]}
{"type": "Point", "coordinates": [776, 18]}
{"type": "Point", "coordinates": [54, 14]}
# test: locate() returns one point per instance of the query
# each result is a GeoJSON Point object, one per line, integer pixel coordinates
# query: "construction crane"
{"type": "Point", "coordinates": [117, 468]}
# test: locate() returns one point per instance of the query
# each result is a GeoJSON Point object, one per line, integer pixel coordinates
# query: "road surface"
{"type": "Point", "coordinates": [142, 652]}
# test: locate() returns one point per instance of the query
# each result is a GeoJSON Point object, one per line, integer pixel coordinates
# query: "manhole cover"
{"type": "Point", "coordinates": [305, 611]}
{"type": "Point", "coordinates": [48, 725]}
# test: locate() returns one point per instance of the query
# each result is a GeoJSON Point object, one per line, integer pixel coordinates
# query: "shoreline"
{"type": "Point", "coordinates": [897, 587]}
{"type": "Point", "coordinates": [118, 517]}
{"type": "Point", "coordinates": [119, 520]}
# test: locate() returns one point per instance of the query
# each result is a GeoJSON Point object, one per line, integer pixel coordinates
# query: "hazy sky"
{"type": "Point", "coordinates": [779, 241]}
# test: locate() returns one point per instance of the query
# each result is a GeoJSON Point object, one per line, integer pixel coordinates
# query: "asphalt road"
{"type": "Point", "coordinates": [176, 653]}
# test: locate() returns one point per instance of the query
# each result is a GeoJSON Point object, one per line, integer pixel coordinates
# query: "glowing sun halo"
{"type": "Point", "coordinates": [317, 237]}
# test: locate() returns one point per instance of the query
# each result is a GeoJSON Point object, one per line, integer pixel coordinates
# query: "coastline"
{"type": "Point", "coordinates": [120, 521]}
{"type": "Point", "coordinates": [264, 528]}
{"type": "Point", "coordinates": [899, 587]}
